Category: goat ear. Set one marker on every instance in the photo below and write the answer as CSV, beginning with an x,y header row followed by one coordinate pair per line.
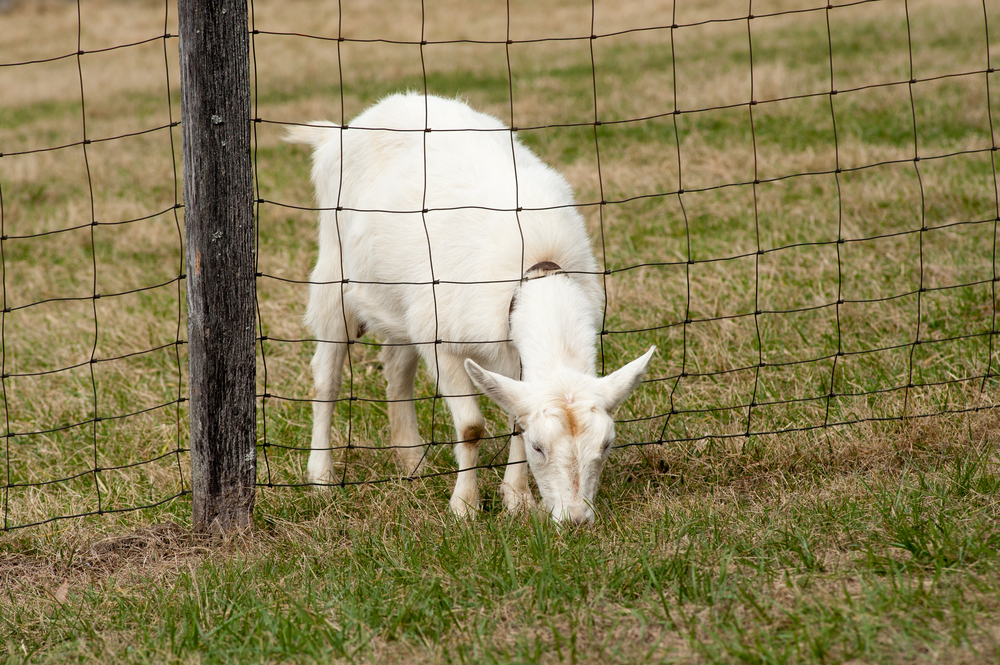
x,y
508,393
619,384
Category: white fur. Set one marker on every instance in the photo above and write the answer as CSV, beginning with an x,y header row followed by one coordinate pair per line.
x,y
471,233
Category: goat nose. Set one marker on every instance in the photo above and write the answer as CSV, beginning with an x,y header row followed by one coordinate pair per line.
x,y
580,516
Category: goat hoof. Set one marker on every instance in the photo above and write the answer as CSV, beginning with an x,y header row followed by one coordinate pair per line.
x,y
517,501
330,476
409,464
411,469
319,480
321,469
464,509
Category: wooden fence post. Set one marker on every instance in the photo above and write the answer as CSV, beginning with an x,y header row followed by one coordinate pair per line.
x,y
219,230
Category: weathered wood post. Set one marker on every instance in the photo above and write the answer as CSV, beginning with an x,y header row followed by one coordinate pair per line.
x,y
219,230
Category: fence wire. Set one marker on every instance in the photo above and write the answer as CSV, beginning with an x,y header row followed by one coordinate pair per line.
x,y
100,425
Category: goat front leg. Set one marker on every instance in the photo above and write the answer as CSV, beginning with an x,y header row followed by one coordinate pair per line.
x,y
516,493
470,426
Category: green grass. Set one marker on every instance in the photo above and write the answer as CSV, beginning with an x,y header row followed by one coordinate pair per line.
x,y
731,573
780,513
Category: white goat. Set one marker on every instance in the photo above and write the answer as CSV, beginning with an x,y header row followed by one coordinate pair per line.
x,y
457,244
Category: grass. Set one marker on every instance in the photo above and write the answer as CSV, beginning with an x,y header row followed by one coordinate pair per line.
x,y
780,508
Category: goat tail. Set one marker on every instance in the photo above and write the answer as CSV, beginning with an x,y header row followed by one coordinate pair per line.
x,y
327,148
314,134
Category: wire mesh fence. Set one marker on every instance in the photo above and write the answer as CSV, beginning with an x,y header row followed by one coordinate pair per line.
x,y
790,290
92,266
796,202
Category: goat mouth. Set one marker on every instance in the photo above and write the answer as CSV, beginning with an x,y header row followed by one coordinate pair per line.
x,y
568,517
567,522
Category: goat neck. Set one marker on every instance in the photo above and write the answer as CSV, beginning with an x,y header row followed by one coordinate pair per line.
x,y
553,326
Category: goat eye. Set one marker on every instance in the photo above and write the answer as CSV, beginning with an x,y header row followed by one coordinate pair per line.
x,y
538,449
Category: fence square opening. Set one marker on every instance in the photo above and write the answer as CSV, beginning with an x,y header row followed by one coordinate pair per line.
x,y
720,223
800,277
794,136
538,68
48,191
859,29
660,289
634,61
717,52
798,337
878,333
955,255
804,209
708,135
947,37
874,125
787,400
649,229
951,114
959,189
791,55
638,158
963,316
476,72
880,201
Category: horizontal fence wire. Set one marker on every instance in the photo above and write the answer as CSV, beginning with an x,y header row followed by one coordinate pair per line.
x,y
94,391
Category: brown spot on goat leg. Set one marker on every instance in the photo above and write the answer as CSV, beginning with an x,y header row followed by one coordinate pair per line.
x,y
472,434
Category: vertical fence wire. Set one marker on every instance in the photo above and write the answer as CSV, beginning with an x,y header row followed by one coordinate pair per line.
x,y
756,233
179,341
831,392
996,198
262,340
3,364
688,260
96,418
424,210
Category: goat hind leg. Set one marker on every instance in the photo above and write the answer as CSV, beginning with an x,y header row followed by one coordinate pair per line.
x,y
327,365
400,371
328,318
